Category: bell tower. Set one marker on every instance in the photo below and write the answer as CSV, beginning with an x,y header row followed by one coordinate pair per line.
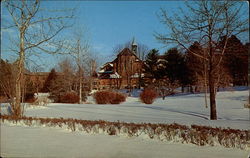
x,y
134,46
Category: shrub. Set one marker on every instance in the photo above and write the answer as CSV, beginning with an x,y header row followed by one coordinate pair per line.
x,y
148,96
118,98
108,97
41,101
29,98
69,97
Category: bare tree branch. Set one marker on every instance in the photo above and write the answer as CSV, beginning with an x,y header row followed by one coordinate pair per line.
x,y
25,16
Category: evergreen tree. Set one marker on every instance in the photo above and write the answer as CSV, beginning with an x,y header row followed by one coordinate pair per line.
x,y
196,66
175,67
236,60
51,77
151,66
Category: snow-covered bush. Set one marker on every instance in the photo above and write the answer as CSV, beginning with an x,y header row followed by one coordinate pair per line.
x,y
148,96
109,97
41,99
198,135
70,97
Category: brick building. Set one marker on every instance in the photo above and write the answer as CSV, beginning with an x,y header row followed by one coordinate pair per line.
x,y
125,71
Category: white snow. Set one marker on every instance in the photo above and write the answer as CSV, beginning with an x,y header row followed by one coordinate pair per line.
x,y
36,141
184,109
18,141
36,95
101,71
115,75
162,60
136,75
108,63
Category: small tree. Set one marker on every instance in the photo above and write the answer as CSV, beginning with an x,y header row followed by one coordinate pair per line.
x,y
79,51
63,81
148,96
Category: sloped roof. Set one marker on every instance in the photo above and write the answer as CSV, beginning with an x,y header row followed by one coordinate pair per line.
x,y
107,64
126,51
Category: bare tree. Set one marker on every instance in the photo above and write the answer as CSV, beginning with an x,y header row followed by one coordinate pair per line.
x,y
91,70
36,33
206,22
79,50
66,70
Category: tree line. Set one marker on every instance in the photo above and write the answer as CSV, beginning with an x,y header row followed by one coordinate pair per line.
x,y
182,68
208,23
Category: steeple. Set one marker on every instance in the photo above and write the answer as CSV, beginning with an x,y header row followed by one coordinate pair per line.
x,y
134,46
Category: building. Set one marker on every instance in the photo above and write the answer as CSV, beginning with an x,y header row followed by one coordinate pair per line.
x,y
125,71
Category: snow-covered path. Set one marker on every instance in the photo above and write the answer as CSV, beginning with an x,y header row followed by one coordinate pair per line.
x,y
185,109
17,141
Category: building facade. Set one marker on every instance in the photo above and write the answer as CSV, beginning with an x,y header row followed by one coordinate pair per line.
x,y
125,71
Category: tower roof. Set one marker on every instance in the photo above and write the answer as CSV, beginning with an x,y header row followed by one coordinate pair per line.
x,y
134,42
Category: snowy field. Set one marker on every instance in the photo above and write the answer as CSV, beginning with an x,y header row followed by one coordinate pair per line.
x,y
17,141
187,109
184,109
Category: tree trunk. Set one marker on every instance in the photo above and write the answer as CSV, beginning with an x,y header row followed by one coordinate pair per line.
x,y
182,89
213,114
17,104
80,87
191,89
205,79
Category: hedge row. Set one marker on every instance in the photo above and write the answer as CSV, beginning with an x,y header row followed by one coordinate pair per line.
x,y
198,135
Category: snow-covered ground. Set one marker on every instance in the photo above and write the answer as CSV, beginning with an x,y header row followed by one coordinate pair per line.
x,y
187,109
184,109
19,141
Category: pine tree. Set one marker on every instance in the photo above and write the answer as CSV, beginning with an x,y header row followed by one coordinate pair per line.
x,y
236,60
151,66
175,66
52,76
196,66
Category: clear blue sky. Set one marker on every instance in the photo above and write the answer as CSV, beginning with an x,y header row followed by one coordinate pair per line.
x,y
110,23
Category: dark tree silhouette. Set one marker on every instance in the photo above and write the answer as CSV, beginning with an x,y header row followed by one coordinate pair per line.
x,y
51,77
236,60
175,66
